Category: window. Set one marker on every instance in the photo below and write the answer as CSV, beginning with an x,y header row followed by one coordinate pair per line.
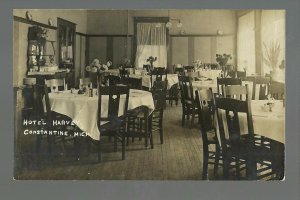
x,y
246,43
151,40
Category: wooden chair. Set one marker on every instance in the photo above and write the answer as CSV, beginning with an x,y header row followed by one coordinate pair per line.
x,y
193,75
189,108
112,125
277,90
179,71
123,73
241,75
113,80
47,115
55,85
157,75
85,82
227,81
159,97
247,148
189,68
133,83
205,101
260,87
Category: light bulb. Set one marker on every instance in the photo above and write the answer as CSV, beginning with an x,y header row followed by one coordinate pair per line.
x,y
179,25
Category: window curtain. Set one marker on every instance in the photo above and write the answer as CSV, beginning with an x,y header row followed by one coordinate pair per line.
x,y
273,33
246,43
151,41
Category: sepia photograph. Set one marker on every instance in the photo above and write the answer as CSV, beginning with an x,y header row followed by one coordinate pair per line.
x,y
149,94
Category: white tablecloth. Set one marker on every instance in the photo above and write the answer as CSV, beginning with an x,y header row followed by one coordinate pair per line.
x,y
146,80
83,109
212,74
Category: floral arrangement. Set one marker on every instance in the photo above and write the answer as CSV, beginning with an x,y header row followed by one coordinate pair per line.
x,y
223,59
197,63
151,60
127,62
271,54
96,66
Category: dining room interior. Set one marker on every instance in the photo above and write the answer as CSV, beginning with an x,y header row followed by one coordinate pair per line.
x,y
176,94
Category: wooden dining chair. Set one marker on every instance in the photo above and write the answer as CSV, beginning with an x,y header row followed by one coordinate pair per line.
x,y
277,90
157,74
41,101
159,98
124,72
85,82
189,108
261,86
179,71
193,75
112,125
205,101
238,148
227,81
133,83
189,68
113,80
55,85
241,75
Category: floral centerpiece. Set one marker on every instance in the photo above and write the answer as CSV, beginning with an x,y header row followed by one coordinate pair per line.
x,y
151,60
223,59
197,63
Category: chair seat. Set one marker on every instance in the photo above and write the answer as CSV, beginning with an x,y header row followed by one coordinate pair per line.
x,y
113,125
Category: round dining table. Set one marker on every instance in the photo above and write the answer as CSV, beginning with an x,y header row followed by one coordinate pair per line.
x,y
82,109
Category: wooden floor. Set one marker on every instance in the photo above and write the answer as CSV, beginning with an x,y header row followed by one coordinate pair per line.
x,y
179,158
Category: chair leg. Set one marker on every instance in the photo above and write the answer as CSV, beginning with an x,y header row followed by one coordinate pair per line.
x,y
193,117
205,165
123,145
225,168
99,151
161,131
115,143
216,164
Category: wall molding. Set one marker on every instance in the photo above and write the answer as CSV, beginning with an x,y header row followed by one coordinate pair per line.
x,y
36,23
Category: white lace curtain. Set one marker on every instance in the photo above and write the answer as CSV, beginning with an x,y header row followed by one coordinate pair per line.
x,y
151,41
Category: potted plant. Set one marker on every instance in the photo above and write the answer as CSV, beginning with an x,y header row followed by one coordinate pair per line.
x,y
222,60
151,60
271,57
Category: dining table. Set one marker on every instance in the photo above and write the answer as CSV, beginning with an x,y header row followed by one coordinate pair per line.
x,y
146,79
82,109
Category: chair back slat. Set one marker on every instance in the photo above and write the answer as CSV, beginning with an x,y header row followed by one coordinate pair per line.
x,y
157,75
159,94
133,83
277,90
113,80
227,81
205,101
235,91
55,85
112,94
261,85
186,88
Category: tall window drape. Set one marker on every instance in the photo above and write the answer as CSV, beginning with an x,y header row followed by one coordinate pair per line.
x,y
246,43
151,41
